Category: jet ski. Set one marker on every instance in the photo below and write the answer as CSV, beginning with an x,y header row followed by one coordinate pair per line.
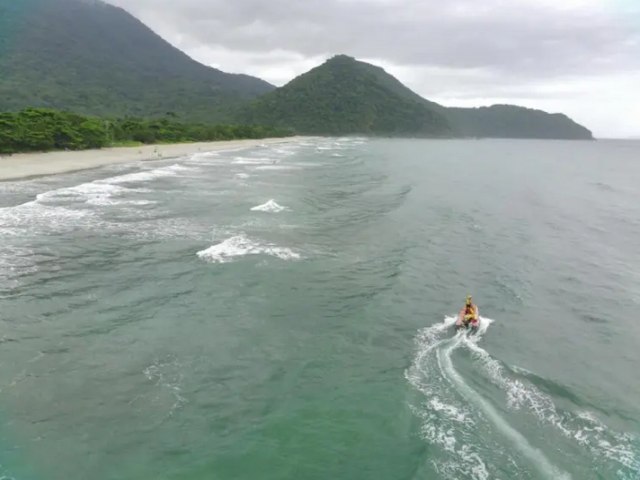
x,y
471,326
469,317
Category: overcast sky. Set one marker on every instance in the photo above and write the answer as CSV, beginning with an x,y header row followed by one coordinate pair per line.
x,y
580,57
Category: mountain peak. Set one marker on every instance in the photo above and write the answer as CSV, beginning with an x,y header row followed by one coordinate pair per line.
x,y
347,96
342,58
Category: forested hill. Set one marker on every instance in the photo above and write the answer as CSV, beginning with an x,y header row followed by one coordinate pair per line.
x,y
509,121
345,96
94,58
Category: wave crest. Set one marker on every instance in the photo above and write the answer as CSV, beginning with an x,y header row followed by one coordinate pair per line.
x,y
270,206
239,246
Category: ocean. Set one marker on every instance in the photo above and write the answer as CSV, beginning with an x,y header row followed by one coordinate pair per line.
x,y
285,312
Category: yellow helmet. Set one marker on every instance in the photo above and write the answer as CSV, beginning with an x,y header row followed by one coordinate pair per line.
x,y
469,299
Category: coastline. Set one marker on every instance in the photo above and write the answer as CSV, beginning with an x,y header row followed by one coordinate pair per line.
x,y
24,165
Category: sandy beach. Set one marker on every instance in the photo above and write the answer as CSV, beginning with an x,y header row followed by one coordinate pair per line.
x,y
35,164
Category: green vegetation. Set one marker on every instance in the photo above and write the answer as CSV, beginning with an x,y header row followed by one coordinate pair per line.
x,y
43,129
509,121
344,96
96,59
92,58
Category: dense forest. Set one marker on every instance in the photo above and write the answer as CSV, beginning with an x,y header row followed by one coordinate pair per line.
x,y
510,121
345,96
92,58
44,129
96,59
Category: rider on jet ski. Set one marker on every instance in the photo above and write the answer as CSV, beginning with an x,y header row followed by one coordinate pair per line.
x,y
469,315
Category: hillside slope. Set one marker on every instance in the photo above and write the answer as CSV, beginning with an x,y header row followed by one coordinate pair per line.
x,y
510,121
94,58
90,57
345,96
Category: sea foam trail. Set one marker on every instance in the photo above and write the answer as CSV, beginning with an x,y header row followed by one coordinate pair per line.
x,y
582,427
446,422
538,459
453,413
239,246
270,206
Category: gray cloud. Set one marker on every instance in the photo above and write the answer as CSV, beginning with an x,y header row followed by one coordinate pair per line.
x,y
495,48
529,38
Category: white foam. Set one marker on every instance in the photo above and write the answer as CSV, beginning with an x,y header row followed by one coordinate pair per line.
x,y
519,395
449,410
62,209
538,459
427,340
21,218
583,427
468,464
167,375
109,201
243,176
445,423
270,206
287,152
253,161
94,193
97,193
239,246
203,155
205,159
176,167
461,460
146,175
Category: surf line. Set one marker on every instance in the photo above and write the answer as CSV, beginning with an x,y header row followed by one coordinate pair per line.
x,y
533,454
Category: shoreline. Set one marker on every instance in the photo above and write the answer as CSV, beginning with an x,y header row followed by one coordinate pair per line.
x,y
25,165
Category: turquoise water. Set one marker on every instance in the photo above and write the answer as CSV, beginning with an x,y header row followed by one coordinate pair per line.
x,y
283,312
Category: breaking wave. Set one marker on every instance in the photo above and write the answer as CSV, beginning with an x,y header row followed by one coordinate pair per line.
x,y
239,246
146,175
270,206
253,161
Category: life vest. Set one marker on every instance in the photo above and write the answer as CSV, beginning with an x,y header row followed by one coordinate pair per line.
x,y
470,312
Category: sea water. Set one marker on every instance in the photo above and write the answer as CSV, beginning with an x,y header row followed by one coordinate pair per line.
x,y
286,312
